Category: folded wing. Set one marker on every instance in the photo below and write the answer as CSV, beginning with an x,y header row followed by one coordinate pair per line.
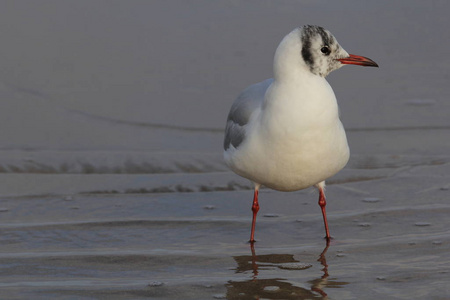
x,y
249,101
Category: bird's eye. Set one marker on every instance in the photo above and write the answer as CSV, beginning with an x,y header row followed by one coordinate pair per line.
x,y
325,50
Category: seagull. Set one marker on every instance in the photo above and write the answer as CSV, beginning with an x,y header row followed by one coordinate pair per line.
x,y
285,133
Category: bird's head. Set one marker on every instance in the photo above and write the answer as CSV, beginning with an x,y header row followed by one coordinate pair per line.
x,y
322,53
319,49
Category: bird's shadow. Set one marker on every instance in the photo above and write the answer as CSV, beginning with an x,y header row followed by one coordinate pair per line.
x,y
261,287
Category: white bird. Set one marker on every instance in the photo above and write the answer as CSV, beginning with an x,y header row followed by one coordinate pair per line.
x,y
285,132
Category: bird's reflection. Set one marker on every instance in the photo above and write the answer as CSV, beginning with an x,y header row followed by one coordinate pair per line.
x,y
261,287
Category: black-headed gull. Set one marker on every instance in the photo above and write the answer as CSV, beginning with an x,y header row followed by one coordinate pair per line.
x,y
285,132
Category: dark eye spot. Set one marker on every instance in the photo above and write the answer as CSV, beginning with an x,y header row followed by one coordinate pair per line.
x,y
325,50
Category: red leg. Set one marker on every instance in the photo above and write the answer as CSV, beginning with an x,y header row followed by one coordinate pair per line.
x,y
255,209
323,203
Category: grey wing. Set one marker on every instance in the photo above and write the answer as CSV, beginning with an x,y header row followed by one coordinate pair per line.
x,y
241,110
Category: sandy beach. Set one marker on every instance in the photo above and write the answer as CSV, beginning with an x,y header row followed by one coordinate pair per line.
x,y
112,183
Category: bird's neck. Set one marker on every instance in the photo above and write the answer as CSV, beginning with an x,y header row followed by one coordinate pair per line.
x,y
300,101
304,95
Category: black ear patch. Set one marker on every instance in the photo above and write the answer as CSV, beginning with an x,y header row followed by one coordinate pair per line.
x,y
306,52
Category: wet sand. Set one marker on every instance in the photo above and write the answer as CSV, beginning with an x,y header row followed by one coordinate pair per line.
x,y
112,184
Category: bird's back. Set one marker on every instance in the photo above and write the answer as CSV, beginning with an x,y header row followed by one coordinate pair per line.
x,y
247,103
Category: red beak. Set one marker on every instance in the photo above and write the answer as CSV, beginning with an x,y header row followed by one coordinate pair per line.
x,y
358,60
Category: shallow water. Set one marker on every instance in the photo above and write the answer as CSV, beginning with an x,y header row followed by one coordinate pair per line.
x,y
112,184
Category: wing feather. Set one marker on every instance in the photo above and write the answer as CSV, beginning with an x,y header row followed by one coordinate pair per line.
x,y
241,111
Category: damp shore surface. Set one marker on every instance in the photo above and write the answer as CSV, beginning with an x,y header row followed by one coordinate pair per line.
x,y
112,183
